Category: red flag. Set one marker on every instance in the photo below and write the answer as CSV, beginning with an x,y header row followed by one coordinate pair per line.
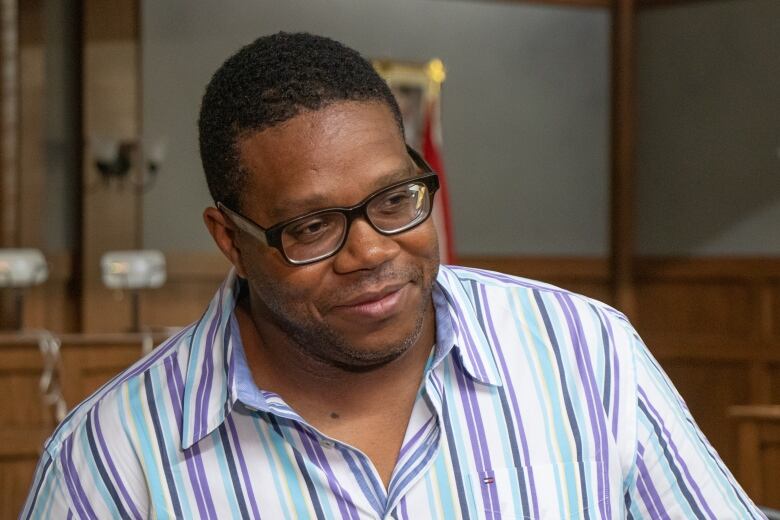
x,y
431,151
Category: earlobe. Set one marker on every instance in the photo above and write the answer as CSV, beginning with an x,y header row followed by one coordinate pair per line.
x,y
225,236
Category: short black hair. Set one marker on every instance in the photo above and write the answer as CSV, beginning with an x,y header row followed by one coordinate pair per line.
x,y
270,81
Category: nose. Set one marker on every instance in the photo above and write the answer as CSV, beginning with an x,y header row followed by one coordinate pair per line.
x,y
365,248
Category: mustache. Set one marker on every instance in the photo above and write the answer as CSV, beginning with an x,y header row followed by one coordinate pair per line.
x,y
381,277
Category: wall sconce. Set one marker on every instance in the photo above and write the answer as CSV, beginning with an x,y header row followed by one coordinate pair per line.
x,y
132,271
21,268
113,159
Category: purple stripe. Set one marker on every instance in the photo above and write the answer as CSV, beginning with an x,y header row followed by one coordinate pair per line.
x,y
204,385
120,378
646,489
477,435
513,398
316,455
586,374
110,462
74,483
250,494
404,512
470,349
408,445
200,490
676,452
615,378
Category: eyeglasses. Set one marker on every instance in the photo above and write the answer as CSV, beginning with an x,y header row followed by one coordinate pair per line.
x,y
321,234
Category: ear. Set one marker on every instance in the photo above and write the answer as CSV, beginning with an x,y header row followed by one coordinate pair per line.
x,y
225,236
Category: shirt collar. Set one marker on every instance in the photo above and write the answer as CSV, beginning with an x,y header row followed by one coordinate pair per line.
x,y
209,384
217,374
459,326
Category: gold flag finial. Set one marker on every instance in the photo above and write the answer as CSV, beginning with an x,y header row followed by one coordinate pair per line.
x,y
435,71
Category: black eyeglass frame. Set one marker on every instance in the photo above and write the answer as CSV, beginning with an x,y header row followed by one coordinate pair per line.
x,y
272,236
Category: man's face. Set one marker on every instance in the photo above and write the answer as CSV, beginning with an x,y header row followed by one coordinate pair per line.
x,y
367,304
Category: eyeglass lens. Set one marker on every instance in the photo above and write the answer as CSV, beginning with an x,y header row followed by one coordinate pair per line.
x,y
391,211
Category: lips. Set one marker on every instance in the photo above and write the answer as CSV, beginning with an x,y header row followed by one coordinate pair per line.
x,y
378,304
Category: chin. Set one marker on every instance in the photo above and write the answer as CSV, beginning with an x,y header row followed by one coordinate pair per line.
x,y
374,350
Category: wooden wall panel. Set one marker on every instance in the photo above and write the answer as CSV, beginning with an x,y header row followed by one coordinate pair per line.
x,y
15,476
54,305
88,361
110,211
699,310
24,422
709,389
193,278
774,311
774,391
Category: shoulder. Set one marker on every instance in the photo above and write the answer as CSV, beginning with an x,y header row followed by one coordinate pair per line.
x,y
480,284
113,402
535,319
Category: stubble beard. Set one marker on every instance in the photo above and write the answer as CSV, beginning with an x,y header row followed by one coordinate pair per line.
x,y
318,340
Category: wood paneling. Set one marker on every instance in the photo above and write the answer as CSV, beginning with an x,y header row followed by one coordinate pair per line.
x,y
32,63
758,431
88,361
709,389
54,305
623,154
111,108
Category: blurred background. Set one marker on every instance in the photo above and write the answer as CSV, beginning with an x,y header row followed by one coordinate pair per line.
x,y
625,149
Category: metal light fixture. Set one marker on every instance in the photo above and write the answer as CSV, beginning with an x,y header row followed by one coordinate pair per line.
x,y
114,158
133,270
21,268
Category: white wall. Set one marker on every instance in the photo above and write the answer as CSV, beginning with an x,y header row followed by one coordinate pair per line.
x,y
525,108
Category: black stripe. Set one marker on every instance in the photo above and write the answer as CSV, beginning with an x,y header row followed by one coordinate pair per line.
x,y
98,460
627,500
672,466
44,470
464,507
161,443
231,462
565,391
313,497
513,431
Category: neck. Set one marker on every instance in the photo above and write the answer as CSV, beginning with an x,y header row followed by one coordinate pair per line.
x,y
320,391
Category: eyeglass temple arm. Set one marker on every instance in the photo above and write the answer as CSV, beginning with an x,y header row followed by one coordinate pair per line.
x,y
244,223
418,159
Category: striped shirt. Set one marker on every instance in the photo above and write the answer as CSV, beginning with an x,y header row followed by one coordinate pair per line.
x,y
535,403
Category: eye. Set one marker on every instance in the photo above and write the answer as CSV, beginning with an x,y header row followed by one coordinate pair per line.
x,y
397,200
309,230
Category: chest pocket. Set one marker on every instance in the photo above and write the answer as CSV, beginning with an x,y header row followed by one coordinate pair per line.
x,y
565,490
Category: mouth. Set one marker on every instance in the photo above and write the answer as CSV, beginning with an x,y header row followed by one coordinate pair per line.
x,y
378,304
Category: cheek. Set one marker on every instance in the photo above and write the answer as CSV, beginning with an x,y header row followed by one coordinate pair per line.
x,y
294,289
423,243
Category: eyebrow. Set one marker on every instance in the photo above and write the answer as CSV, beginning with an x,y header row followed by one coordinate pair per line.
x,y
318,201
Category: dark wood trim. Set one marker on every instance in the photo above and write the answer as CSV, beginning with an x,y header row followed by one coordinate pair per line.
x,y
563,3
542,267
623,131
644,4
676,268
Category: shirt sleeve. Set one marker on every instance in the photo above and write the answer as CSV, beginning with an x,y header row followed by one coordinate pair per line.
x,y
47,498
676,472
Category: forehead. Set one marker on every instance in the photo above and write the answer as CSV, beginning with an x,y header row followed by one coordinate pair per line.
x,y
332,156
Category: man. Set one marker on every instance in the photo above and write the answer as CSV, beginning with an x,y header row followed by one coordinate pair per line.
x,y
340,372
